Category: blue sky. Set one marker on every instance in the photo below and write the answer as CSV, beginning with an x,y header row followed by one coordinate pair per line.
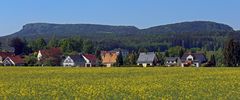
x,y
141,13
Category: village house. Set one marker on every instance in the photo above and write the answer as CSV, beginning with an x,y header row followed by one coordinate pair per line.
x,y
147,59
74,60
14,61
90,59
4,55
42,54
80,60
193,59
52,55
109,58
172,61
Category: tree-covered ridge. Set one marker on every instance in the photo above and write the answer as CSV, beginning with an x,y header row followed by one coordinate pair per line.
x,y
189,27
198,34
90,29
73,29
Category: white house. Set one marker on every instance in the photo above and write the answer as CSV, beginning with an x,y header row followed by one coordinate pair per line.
x,y
74,60
193,59
80,60
147,59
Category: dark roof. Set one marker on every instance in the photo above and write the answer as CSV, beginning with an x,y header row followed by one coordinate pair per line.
x,y
148,57
171,58
77,59
196,56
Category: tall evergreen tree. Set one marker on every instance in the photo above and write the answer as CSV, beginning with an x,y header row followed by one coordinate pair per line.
x,y
98,53
130,59
88,47
119,61
213,61
77,44
160,57
231,53
166,54
18,45
26,49
53,42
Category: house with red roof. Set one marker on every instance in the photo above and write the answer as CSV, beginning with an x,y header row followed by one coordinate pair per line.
x,y
14,61
90,59
109,58
50,56
52,52
4,55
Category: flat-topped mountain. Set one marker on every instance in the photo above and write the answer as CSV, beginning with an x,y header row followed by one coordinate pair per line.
x,y
38,29
196,34
45,29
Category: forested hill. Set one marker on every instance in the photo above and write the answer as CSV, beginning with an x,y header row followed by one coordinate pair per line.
x,y
42,29
189,27
197,34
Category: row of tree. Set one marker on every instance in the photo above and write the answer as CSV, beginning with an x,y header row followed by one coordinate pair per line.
x,y
228,56
68,45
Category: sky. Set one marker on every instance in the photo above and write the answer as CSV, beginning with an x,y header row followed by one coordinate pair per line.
x,y
140,13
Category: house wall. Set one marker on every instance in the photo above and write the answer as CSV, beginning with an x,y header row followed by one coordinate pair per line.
x,y
145,64
109,65
8,62
68,62
39,56
1,60
109,58
171,63
190,57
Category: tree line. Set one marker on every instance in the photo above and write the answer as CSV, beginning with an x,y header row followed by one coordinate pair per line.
x,y
228,56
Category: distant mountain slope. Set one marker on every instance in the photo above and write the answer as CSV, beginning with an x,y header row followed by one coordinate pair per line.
x,y
66,30
197,34
189,27
43,29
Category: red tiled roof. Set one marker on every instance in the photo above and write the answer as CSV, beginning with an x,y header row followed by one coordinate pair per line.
x,y
6,54
51,52
90,57
108,57
17,59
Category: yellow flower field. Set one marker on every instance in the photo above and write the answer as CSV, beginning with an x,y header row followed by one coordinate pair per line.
x,y
120,83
